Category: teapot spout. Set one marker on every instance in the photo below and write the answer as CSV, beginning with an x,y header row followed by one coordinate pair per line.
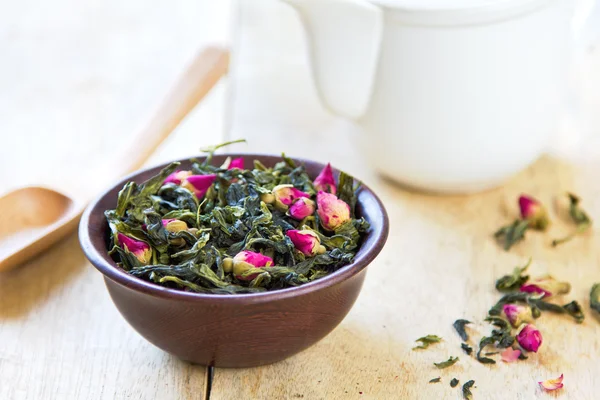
x,y
344,39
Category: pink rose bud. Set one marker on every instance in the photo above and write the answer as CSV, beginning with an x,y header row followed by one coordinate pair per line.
x,y
533,211
510,355
306,241
546,285
177,177
552,384
529,338
286,195
174,225
236,163
302,208
332,211
141,250
325,180
517,314
246,260
199,184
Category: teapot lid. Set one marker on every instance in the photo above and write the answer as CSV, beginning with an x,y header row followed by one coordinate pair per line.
x,y
458,11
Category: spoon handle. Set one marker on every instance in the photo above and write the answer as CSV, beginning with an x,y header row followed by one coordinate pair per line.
x,y
202,74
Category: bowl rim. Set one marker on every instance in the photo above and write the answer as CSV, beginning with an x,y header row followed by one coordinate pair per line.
x,y
111,271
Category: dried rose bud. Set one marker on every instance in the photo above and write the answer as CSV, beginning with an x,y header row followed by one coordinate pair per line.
x,y
177,177
306,241
227,264
141,250
286,195
510,355
267,198
325,180
246,260
517,314
533,212
236,163
302,208
529,337
174,225
552,384
198,184
332,211
546,285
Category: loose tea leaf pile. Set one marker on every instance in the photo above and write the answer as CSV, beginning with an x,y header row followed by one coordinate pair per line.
x,y
225,229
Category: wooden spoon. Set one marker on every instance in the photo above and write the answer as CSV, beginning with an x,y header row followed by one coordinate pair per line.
x,y
33,218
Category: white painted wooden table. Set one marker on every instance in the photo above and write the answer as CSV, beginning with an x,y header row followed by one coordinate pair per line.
x,y
77,78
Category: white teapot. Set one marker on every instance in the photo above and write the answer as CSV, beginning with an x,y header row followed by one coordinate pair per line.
x,y
453,96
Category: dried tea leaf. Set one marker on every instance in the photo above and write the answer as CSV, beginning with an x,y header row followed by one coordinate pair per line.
x,y
492,353
511,283
466,348
595,297
227,219
454,382
511,234
426,341
347,190
574,310
485,341
579,216
445,364
459,325
212,149
466,390
436,380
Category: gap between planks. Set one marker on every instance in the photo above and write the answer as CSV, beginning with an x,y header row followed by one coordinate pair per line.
x,y
208,379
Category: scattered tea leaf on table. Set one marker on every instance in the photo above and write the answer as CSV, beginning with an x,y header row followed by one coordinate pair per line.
x,y
595,297
575,311
466,390
511,283
466,348
426,341
445,364
459,325
454,382
435,380
509,235
579,216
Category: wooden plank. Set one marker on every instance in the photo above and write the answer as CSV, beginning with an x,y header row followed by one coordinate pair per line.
x,y
64,339
439,265
76,80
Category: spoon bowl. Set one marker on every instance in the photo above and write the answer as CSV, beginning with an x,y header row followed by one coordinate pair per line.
x,y
38,218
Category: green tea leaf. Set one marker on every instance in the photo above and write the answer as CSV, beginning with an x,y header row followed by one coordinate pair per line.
x,y
579,217
509,235
435,380
466,348
212,149
459,325
595,297
485,341
445,364
454,382
347,190
466,390
511,283
189,254
574,310
426,341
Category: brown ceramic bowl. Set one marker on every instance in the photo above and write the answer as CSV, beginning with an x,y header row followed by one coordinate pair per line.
x,y
242,330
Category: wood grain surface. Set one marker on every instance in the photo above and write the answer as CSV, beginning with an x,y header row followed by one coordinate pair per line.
x,y
60,335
